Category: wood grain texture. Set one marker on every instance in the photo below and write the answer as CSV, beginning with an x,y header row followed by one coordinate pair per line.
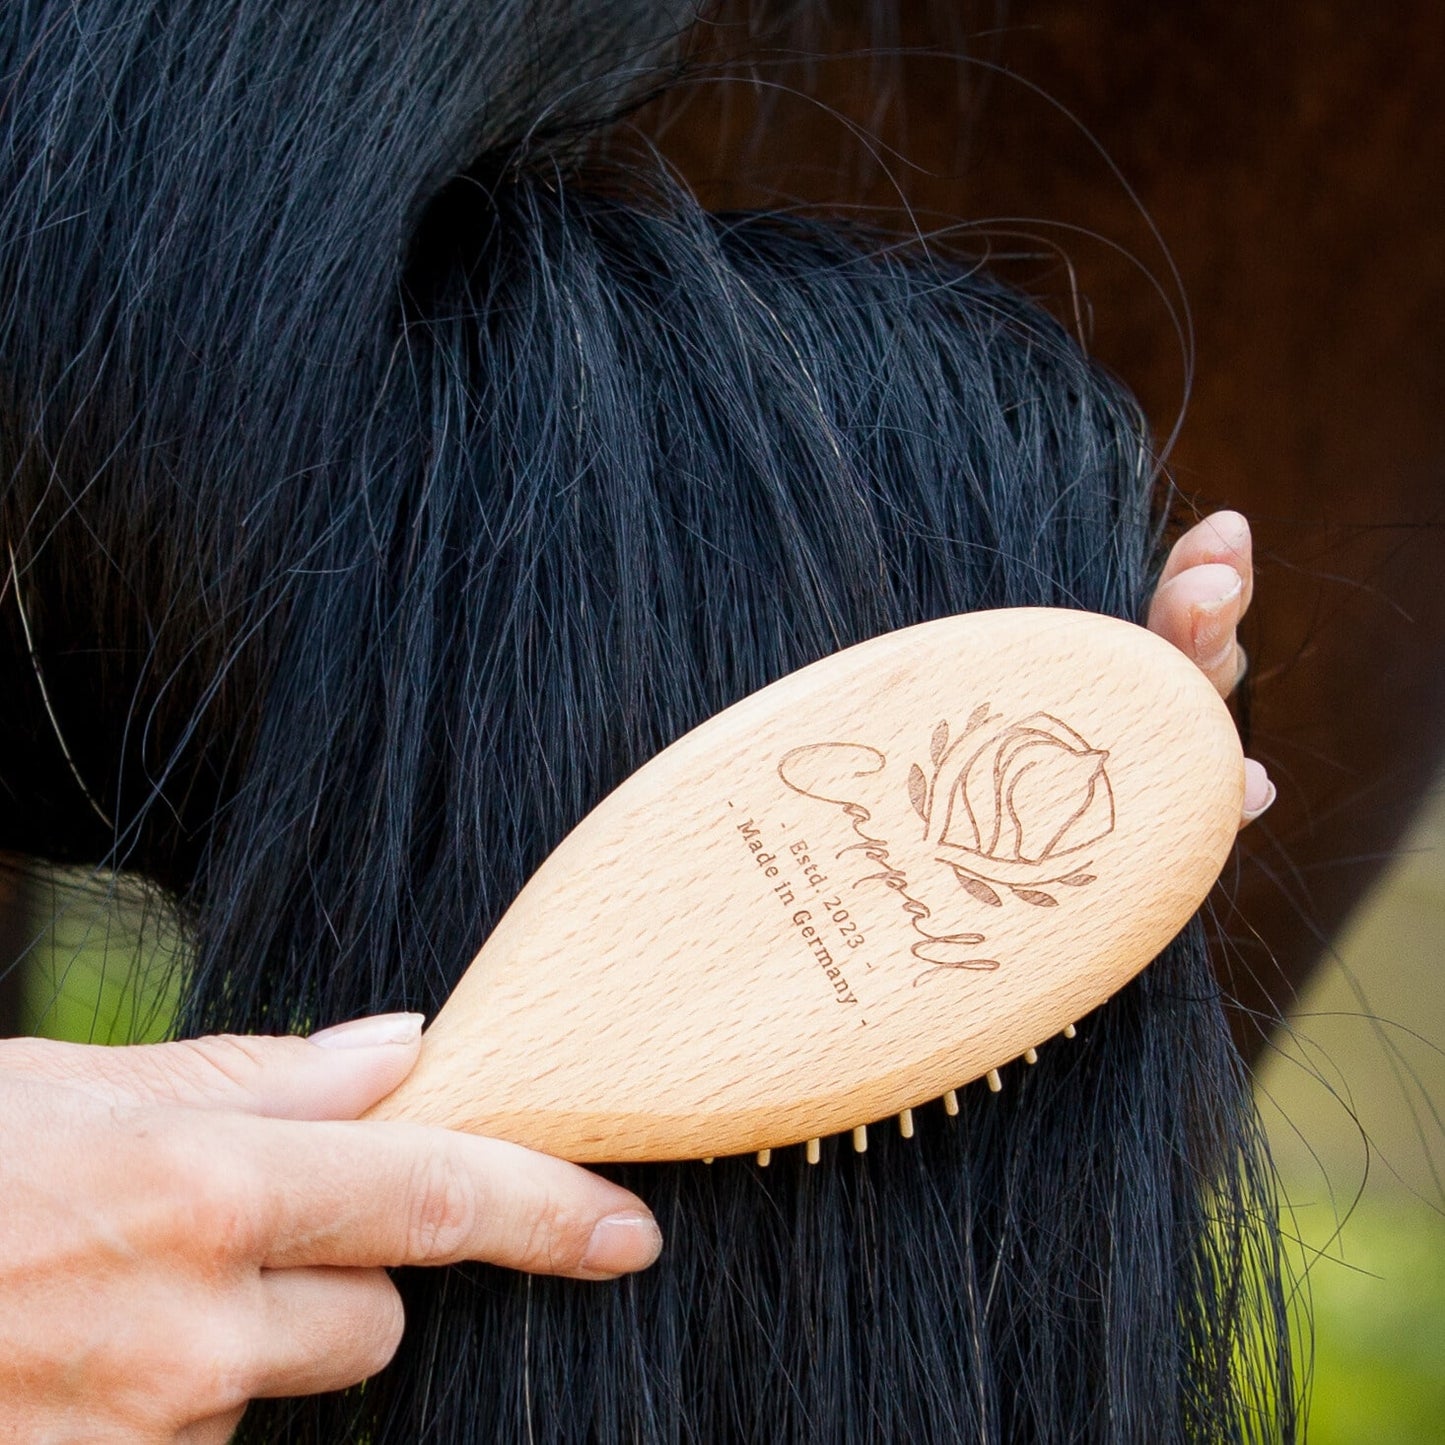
x,y
869,883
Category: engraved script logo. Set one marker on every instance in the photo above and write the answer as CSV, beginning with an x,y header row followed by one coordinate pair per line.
x,y
1004,811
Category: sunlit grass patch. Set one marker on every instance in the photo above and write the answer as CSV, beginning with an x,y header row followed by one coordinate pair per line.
x,y
105,964
1377,1295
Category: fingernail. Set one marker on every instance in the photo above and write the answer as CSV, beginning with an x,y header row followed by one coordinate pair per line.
x,y
370,1032
1259,792
1212,622
622,1243
1232,529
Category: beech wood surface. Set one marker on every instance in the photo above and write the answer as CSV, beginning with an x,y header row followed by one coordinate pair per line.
x,y
874,881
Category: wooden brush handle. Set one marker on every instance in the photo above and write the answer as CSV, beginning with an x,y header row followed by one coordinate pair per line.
x,y
871,882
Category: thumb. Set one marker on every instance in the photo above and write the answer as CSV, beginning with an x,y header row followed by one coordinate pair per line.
x,y
335,1074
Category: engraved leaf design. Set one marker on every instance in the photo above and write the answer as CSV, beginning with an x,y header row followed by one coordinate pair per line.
x,y
939,743
979,889
1037,898
977,717
1077,880
918,791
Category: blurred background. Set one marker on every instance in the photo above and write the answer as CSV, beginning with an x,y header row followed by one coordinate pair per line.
x,y
1239,210
1352,1090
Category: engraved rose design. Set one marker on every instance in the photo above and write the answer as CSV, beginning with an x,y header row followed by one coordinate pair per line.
x,y
1011,809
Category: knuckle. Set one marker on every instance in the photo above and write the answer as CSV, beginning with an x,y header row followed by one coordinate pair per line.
x,y
442,1211
223,1066
229,1222
556,1238
216,1195
170,1184
210,1368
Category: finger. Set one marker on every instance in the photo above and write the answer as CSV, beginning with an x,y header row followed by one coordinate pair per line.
x,y
1220,537
322,1329
1259,792
1198,610
394,1194
335,1074
215,1431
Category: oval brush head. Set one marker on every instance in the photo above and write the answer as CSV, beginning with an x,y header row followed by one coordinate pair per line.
x,y
875,880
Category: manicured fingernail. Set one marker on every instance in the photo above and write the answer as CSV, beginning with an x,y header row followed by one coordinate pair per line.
x,y
370,1032
1259,792
1232,529
1212,621
622,1243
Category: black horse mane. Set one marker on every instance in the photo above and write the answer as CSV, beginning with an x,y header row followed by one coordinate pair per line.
x,y
383,481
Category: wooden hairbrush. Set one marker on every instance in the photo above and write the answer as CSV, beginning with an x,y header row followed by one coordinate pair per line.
x,y
878,879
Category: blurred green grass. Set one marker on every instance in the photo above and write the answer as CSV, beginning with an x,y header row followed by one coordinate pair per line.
x,y
105,964
1377,1294
1352,1098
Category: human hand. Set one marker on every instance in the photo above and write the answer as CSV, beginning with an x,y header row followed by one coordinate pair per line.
x,y
1204,591
189,1226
